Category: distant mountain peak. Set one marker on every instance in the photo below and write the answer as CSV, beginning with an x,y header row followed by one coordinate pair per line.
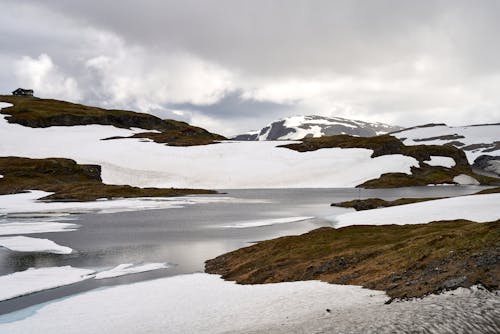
x,y
298,127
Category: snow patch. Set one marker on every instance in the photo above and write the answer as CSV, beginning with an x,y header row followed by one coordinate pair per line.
x,y
266,222
5,105
478,208
33,280
446,162
464,179
130,268
196,303
28,244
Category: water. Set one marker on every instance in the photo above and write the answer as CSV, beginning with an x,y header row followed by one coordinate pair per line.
x,y
187,237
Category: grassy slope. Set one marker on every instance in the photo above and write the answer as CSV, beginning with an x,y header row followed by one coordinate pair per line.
x,y
386,145
70,181
40,113
405,261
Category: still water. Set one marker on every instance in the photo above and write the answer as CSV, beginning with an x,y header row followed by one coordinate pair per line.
x,y
187,237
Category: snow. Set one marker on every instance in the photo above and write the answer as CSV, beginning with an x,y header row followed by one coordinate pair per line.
x,y
28,244
5,105
130,268
482,134
465,180
299,133
36,227
478,208
26,202
196,303
220,166
33,280
265,222
441,161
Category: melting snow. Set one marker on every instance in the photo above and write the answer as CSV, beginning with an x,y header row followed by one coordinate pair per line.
x,y
32,280
266,222
28,244
197,303
465,180
35,227
130,268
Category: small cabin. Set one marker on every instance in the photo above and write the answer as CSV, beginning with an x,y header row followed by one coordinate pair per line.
x,y
23,92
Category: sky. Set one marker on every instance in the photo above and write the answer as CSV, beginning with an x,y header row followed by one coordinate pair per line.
x,y
236,65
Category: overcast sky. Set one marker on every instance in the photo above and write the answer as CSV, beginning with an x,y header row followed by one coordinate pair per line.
x,y
232,66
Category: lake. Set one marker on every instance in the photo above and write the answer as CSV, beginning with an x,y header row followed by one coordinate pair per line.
x,y
186,237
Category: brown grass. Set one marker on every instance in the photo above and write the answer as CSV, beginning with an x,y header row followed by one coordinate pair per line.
x,y
41,113
70,181
405,261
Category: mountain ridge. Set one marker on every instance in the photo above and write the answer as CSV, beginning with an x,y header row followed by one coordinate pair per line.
x,y
299,127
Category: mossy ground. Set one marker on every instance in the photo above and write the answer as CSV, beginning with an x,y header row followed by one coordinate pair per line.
x,y
404,260
70,181
41,113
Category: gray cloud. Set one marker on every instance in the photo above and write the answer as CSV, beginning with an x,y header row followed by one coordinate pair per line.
x,y
232,65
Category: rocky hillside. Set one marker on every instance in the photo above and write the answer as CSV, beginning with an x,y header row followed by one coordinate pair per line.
x,y
438,164
43,113
298,127
481,143
69,181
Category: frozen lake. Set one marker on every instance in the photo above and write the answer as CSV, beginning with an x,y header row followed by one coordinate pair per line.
x,y
186,237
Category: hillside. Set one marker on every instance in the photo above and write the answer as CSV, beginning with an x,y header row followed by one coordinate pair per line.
x,y
298,127
42,113
436,164
481,143
405,261
69,181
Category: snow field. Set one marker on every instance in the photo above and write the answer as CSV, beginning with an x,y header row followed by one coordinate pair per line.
x,y
179,304
218,166
479,208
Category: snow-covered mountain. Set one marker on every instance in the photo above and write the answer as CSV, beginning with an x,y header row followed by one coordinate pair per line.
x,y
481,143
298,127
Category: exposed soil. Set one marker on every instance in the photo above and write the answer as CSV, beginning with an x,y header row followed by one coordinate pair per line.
x,y
403,260
41,113
70,181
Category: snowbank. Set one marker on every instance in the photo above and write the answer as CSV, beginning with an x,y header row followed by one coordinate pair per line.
x,y
196,303
224,165
5,105
32,280
28,244
465,180
130,268
441,161
479,208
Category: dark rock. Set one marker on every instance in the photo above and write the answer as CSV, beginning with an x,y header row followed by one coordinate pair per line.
x,y
453,283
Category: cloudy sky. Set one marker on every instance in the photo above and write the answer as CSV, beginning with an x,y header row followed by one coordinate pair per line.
x,y
236,65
